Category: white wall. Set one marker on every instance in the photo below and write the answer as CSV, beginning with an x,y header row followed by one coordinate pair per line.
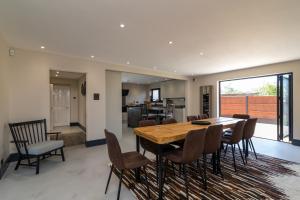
x,y
4,100
170,89
30,92
293,66
73,84
114,102
137,92
81,103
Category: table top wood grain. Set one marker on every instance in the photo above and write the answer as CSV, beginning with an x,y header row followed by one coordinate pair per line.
x,y
163,134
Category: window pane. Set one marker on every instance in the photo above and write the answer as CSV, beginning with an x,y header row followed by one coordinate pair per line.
x,y
155,95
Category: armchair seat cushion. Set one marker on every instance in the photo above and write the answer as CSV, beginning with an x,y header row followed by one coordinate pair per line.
x,y
43,147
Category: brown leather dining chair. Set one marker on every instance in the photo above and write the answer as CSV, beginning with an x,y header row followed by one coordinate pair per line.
x,y
169,121
147,145
191,118
124,161
192,151
241,116
202,116
234,139
249,130
212,146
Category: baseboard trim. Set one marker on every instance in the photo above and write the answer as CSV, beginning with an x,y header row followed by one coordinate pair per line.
x,y
82,127
4,165
296,142
74,124
93,143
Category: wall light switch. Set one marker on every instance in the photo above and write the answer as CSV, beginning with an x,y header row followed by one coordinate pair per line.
x,y
96,96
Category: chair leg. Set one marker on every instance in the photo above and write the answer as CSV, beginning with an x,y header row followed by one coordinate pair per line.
x,y
37,165
225,151
214,163
18,164
173,168
62,154
251,144
219,163
108,180
120,183
204,173
144,152
241,153
157,166
233,156
147,183
186,181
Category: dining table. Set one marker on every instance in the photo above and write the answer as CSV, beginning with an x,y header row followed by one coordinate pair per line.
x,y
165,134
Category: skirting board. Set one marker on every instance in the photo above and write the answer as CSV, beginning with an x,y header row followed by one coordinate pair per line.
x,y
93,143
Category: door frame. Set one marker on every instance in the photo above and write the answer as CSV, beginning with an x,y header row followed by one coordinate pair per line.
x,y
291,105
51,103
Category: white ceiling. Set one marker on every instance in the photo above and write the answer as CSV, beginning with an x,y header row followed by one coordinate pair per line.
x,y
67,75
140,79
232,34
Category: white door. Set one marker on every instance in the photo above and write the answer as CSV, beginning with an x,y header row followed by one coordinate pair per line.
x,y
60,105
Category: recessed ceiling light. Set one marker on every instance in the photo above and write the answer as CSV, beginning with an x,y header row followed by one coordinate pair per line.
x,y
201,53
42,47
170,42
128,63
92,56
175,71
57,72
56,75
122,25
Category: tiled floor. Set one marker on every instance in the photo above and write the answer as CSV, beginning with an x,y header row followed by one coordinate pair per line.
x,y
84,174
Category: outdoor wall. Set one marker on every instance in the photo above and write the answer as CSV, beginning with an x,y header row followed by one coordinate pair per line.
x,y
196,82
4,100
137,92
73,84
114,102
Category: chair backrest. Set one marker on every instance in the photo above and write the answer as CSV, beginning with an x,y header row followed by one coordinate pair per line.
x,y
30,131
241,116
114,150
169,121
213,138
193,145
144,123
192,118
238,132
249,128
203,116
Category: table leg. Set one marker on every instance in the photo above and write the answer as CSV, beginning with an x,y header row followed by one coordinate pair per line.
x,y
138,170
160,172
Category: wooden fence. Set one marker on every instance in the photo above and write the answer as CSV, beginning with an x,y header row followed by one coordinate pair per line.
x,y
262,107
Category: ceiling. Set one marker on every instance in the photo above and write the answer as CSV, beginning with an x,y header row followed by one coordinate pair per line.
x,y
231,34
140,79
67,75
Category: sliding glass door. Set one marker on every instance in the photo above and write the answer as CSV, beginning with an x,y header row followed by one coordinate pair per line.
x,y
268,98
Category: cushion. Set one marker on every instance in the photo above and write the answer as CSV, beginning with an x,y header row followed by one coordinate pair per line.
x,y
43,147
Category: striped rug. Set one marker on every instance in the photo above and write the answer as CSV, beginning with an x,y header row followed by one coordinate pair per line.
x,y
249,182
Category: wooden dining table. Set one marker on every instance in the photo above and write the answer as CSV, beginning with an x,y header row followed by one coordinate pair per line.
x,y
165,134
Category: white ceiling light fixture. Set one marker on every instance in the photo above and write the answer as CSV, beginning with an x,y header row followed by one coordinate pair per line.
x,y
128,63
170,42
42,47
175,71
92,56
122,25
57,72
201,53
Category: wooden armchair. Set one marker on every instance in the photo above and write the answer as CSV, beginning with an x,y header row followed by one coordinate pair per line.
x,y
32,142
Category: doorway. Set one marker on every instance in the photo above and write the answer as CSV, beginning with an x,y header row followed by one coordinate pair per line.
x,y
268,98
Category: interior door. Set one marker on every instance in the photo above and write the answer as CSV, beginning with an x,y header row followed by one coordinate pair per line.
x,y
285,108
61,105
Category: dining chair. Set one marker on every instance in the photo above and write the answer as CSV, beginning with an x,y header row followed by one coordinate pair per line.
x,y
241,116
191,118
249,130
202,116
212,146
169,121
192,151
152,147
234,139
124,161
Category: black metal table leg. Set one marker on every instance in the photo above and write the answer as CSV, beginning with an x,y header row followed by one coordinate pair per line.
x,y
138,170
160,172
